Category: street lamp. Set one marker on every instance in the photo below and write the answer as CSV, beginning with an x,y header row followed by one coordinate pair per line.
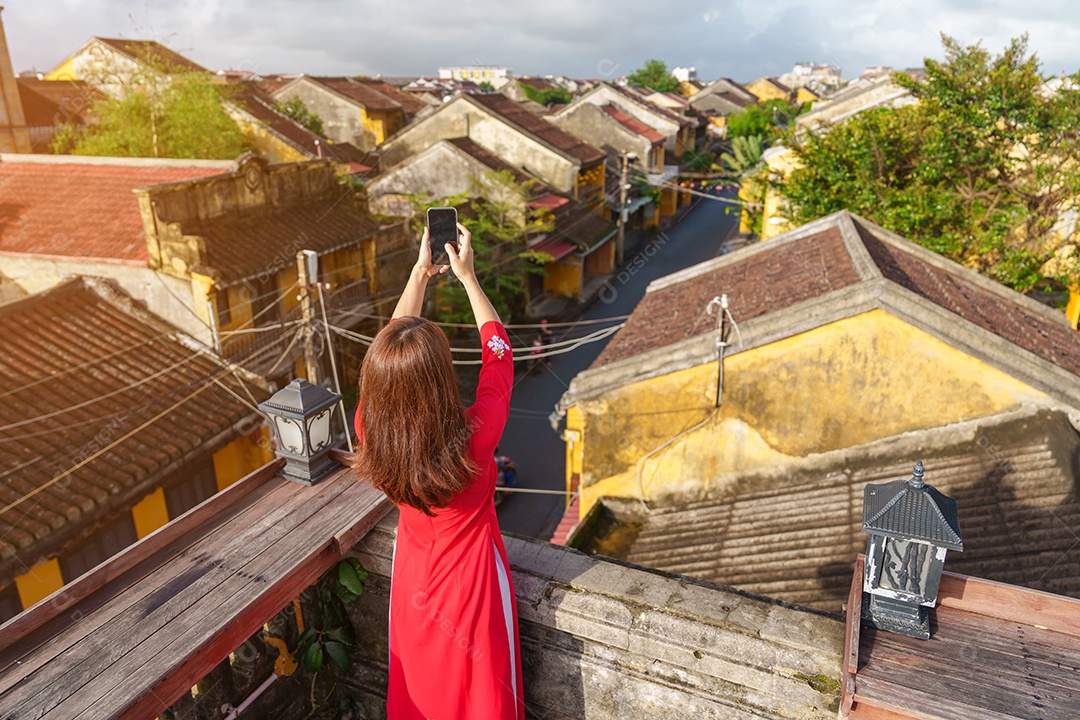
x,y
300,415
911,527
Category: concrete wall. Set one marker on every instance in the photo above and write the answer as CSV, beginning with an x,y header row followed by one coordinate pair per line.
x,y
591,124
178,307
343,119
602,95
441,171
461,118
602,639
847,383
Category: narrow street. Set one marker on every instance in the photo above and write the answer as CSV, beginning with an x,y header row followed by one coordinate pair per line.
x,y
539,453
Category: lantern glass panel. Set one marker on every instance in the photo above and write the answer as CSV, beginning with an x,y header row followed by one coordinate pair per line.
x,y
319,430
905,566
290,435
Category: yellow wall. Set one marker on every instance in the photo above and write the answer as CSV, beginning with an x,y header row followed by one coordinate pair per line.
x,y
241,457
150,513
803,95
589,181
563,277
779,164
286,278
269,145
381,123
1072,310
39,582
686,89
669,199
63,71
860,379
764,90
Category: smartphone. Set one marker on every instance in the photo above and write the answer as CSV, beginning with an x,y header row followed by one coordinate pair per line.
x,y
442,223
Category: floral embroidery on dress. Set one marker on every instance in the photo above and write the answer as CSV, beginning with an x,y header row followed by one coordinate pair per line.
x,y
498,345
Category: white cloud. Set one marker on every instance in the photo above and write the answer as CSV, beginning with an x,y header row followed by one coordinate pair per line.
x,y
743,39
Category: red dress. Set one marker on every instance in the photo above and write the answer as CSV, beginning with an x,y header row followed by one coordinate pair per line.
x,y
453,621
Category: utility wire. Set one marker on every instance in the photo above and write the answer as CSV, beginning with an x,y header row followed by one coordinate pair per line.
x,y
125,436
520,354
111,393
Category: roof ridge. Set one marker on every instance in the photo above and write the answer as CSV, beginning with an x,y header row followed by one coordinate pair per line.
x,y
941,262
811,228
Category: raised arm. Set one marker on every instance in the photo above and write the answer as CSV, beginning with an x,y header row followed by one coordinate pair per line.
x,y
461,260
411,302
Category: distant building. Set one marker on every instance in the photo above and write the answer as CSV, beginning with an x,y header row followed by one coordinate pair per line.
x,y
477,73
684,74
818,78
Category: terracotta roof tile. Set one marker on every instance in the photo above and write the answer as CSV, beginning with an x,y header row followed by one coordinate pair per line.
x,y
48,102
653,107
241,246
409,104
541,129
794,535
155,51
765,282
260,106
1054,342
79,210
362,93
635,126
135,359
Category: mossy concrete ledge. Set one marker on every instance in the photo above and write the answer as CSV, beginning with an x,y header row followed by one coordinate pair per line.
x,y
602,638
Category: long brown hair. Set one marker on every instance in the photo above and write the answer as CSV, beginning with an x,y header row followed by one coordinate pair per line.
x,y
415,438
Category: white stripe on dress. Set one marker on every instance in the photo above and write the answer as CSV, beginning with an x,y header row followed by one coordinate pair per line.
x,y
508,614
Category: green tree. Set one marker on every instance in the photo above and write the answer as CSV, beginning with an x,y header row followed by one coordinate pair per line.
x,y
177,115
762,119
654,74
501,223
745,155
298,111
547,96
486,86
979,169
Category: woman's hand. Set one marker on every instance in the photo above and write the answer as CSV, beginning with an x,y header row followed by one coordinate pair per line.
x,y
423,262
461,258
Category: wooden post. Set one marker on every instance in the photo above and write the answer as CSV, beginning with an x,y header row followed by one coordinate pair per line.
x,y
306,267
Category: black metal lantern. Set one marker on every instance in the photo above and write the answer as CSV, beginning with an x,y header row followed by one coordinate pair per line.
x,y
300,414
911,527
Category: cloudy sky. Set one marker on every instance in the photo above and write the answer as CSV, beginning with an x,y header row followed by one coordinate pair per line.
x,y
742,39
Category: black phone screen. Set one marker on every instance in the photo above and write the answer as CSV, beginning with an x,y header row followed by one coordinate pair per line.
x,y
442,222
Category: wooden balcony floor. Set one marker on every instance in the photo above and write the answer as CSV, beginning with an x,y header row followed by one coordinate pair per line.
x,y
130,637
996,652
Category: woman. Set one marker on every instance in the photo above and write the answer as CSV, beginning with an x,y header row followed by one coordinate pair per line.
x,y
453,623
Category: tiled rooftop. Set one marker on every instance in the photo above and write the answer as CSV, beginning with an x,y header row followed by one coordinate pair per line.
x,y
816,260
490,159
765,281
151,49
48,102
1056,343
793,532
260,105
635,126
80,209
515,114
363,93
81,367
239,246
408,103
